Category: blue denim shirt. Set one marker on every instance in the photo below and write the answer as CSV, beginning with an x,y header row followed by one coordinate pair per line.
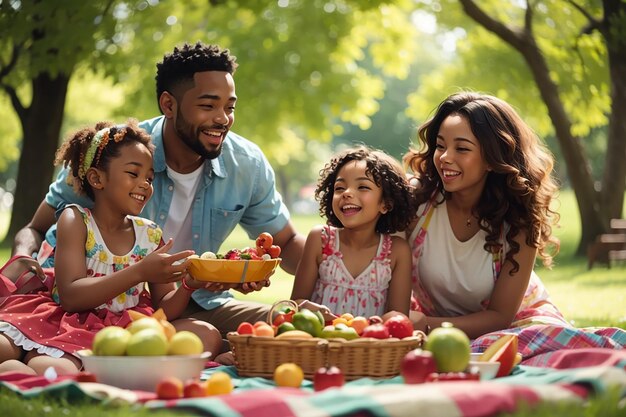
x,y
238,187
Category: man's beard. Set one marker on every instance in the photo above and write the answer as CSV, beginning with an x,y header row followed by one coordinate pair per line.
x,y
191,138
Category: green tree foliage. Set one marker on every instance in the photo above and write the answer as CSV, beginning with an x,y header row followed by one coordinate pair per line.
x,y
561,63
300,76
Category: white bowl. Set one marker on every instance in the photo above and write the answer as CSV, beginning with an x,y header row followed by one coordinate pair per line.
x,y
488,370
142,372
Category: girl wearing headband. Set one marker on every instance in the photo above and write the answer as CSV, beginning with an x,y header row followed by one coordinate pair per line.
x,y
98,273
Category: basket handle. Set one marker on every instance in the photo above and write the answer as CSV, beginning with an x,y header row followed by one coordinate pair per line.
x,y
278,304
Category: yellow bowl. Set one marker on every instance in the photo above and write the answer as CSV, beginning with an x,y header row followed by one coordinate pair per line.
x,y
224,270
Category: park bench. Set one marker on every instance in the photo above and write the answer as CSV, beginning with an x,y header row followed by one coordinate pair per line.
x,y
609,247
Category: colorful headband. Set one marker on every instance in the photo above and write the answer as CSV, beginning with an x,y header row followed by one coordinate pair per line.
x,y
98,143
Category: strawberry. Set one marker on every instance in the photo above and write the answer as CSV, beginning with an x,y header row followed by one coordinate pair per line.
x,y
233,255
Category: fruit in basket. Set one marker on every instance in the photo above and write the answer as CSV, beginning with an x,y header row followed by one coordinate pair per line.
x,y
110,341
450,347
503,350
377,331
261,328
285,327
194,388
219,383
285,314
294,334
185,343
245,328
416,365
399,326
375,320
147,342
308,321
328,378
169,388
358,323
339,331
288,375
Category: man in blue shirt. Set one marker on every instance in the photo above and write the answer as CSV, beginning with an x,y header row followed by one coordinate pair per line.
x,y
207,179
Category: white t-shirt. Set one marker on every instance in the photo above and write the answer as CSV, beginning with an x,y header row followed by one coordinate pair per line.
x,y
178,223
457,275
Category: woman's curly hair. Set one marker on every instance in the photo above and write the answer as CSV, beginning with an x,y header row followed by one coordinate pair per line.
x,y
178,68
520,187
73,150
386,172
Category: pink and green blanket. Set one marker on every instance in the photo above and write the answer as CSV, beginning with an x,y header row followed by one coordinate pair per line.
x,y
570,376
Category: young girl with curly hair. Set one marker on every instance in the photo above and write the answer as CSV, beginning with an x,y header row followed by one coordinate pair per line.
x,y
353,264
104,258
485,190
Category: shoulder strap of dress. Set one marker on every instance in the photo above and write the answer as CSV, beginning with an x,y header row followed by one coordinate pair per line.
x,y
327,241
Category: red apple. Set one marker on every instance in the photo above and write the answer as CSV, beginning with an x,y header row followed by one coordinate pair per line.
x,y
327,378
417,365
377,331
194,388
375,320
399,326
169,388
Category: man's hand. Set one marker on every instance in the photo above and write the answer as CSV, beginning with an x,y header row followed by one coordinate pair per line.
x,y
248,287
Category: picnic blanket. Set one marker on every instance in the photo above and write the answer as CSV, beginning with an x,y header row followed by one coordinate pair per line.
x,y
569,376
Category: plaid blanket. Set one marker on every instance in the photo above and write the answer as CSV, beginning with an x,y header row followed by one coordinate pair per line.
x,y
542,332
568,376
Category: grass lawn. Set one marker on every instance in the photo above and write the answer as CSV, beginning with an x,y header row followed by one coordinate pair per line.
x,y
587,298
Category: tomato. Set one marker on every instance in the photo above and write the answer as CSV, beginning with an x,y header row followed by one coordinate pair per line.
x,y
286,315
245,328
307,321
273,251
264,240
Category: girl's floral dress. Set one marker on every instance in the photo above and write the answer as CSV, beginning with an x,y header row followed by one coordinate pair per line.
x,y
37,321
363,295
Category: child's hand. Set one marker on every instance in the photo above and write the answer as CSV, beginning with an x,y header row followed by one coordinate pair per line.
x,y
310,305
160,267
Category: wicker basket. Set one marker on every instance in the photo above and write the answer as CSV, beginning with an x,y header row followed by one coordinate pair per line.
x,y
358,358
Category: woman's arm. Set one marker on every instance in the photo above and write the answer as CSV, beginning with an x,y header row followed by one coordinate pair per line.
x,y
504,303
399,292
307,271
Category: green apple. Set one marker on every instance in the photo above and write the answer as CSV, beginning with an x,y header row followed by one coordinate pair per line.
x,y
147,342
185,343
111,341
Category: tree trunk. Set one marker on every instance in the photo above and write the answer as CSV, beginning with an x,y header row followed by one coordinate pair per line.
x,y
576,161
41,124
593,214
614,178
